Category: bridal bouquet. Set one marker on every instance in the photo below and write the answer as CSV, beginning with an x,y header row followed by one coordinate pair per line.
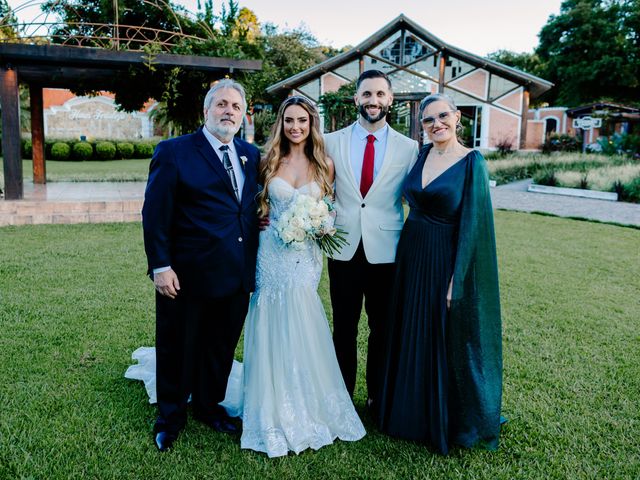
x,y
308,218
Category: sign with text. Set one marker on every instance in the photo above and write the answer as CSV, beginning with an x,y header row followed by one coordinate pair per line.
x,y
95,117
587,123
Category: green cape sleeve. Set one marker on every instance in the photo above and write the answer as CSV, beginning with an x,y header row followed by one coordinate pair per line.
x,y
474,339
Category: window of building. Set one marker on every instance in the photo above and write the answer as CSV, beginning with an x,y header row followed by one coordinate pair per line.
x,y
350,71
499,86
389,50
311,89
414,49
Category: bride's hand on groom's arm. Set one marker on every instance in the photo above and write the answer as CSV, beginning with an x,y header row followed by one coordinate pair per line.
x,y
167,283
263,223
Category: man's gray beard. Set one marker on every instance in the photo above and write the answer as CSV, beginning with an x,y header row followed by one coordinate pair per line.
x,y
221,132
370,119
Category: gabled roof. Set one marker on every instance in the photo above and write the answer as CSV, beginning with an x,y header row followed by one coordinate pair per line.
x,y
537,86
594,107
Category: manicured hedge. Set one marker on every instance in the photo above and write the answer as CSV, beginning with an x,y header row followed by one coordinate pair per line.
x,y
92,150
105,150
60,151
27,149
125,150
82,151
144,150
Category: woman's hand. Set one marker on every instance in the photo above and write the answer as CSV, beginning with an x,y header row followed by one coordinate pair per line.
x,y
263,223
449,290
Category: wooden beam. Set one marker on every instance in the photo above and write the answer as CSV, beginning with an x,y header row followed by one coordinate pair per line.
x,y
10,100
37,135
442,65
523,121
415,123
67,56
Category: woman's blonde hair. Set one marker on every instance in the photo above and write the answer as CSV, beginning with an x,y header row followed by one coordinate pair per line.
x,y
279,147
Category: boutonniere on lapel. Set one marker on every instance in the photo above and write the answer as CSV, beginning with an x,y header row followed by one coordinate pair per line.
x,y
243,160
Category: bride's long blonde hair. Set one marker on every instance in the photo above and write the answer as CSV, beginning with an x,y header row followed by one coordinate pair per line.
x,y
279,147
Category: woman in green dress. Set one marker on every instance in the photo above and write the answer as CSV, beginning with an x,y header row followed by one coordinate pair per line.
x,y
442,375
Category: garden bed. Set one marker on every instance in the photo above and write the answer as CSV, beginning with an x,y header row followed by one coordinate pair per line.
x,y
573,171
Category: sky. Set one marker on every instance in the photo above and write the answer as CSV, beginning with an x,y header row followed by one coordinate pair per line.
x,y
479,27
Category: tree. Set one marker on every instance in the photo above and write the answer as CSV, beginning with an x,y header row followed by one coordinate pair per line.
x,y
181,90
7,20
338,107
284,54
526,62
235,33
590,51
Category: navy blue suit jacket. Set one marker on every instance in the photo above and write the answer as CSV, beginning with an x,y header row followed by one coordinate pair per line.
x,y
192,220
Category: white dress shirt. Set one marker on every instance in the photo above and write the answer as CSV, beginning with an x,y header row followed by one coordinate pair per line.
x,y
359,142
233,156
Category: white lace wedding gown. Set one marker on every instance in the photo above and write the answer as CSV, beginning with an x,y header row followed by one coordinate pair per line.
x,y
290,393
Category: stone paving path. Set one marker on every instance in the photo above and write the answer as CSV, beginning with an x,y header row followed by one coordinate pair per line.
x,y
513,196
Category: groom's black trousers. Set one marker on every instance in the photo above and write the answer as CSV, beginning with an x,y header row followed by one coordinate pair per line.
x,y
350,281
195,343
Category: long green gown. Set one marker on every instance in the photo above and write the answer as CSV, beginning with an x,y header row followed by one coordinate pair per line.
x,y
442,375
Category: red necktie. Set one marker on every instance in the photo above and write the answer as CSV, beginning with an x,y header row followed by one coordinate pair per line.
x,y
367,166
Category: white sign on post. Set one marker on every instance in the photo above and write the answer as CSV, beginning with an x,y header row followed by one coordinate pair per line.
x,y
587,123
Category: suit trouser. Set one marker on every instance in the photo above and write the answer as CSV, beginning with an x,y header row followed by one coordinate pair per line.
x,y
350,281
195,342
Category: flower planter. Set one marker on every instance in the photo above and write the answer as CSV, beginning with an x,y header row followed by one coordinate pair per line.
x,y
574,192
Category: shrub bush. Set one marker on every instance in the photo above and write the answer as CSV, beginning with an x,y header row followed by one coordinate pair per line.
x,y
125,150
504,146
545,177
47,147
27,149
105,150
262,123
618,143
631,191
82,151
143,150
60,151
562,143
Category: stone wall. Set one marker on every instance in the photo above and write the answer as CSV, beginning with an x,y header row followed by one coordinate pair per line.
x,y
95,117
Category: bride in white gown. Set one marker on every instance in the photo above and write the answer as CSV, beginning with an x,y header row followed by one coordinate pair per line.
x,y
290,393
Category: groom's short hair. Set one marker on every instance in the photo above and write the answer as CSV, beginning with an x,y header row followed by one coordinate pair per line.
x,y
372,74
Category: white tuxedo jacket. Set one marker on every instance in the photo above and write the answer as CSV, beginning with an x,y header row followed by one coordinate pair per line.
x,y
376,219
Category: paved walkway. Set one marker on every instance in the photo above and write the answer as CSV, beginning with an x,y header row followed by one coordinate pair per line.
x,y
84,191
513,196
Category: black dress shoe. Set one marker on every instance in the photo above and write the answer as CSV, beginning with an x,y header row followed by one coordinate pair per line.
x,y
164,440
220,424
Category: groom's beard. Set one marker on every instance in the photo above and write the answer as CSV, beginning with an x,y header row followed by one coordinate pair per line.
x,y
383,113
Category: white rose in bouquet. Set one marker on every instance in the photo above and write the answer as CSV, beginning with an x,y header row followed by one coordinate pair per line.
x,y
310,219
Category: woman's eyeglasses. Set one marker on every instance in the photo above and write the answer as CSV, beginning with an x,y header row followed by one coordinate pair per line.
x,y
442,116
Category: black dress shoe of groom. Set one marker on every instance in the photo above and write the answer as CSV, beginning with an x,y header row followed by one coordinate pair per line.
x,y
220,424
164,440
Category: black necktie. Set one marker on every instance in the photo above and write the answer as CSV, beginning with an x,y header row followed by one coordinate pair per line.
x,y
226,161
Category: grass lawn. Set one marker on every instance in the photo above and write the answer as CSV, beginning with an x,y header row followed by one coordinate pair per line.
x,y
93,171
74,304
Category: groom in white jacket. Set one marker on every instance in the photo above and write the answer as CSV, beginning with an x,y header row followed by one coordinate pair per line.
x,y
371,162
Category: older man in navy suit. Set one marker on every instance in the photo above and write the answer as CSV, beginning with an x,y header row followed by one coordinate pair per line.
x,y
201,239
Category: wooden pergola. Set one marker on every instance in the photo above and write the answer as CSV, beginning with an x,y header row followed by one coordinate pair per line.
x,y
41,66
